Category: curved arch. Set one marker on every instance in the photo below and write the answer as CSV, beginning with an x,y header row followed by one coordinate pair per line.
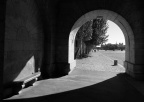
x,y
108,15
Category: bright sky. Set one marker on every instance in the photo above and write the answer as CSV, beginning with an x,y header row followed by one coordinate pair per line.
x,y
115,33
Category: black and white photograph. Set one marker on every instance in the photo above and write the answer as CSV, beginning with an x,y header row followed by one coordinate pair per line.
x,y
72,50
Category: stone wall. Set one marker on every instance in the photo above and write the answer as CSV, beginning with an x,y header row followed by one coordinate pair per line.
x,y
23,40
69,12
42,27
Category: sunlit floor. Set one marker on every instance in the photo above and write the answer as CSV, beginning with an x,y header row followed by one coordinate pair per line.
x,y
101,82
103,61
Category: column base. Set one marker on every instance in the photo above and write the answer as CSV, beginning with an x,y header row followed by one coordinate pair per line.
x,y
134,70
72,66
61,69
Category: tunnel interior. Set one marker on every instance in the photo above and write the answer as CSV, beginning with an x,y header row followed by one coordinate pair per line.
x,y
41,35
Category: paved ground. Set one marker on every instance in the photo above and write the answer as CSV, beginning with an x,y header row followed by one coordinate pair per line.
x,y
102,61
97,81
115,55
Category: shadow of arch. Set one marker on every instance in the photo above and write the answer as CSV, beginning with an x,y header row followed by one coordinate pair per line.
x,y
115,89
108,15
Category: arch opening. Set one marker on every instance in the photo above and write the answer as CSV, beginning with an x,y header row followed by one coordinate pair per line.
x,y
108,15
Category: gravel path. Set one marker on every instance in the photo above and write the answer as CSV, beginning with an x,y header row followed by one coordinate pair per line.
x,y
99,62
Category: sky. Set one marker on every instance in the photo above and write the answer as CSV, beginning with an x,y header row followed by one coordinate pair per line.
x,y
115,33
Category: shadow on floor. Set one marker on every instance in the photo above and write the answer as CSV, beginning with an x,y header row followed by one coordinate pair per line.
x,y
116,89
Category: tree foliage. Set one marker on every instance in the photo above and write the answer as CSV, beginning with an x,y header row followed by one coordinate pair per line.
x,y
90,34
113,47
85,31
99,28
94,31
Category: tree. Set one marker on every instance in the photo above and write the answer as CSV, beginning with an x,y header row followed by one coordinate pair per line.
x,y
83,34
85,31
121,46
90,34
99,28
116,46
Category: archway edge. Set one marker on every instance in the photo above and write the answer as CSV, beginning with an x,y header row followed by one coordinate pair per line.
x,y
93,14
109,15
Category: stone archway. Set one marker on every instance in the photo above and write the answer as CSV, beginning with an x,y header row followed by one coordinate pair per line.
x,y
109,15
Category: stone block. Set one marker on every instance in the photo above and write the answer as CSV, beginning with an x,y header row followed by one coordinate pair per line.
x,y
135,71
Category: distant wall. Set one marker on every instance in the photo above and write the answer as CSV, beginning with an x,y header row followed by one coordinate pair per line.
x,y
23,40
